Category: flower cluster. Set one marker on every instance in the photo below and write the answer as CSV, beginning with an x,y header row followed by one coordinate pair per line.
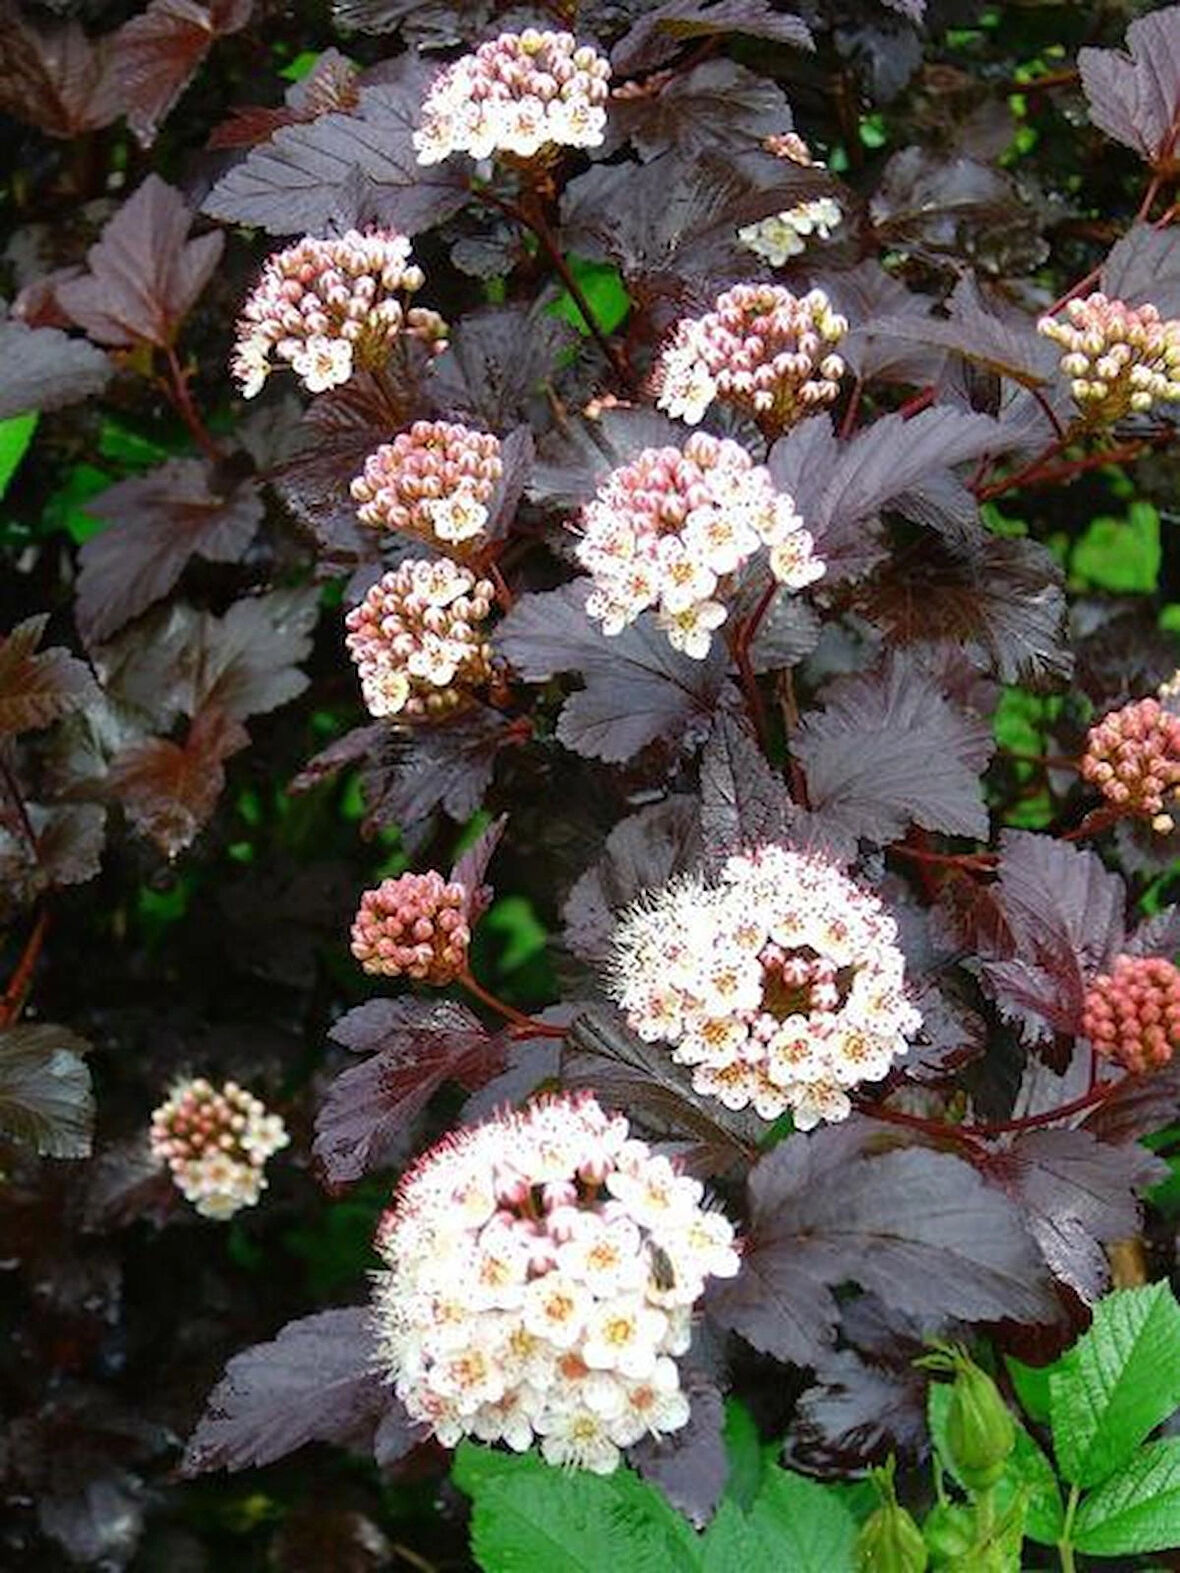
x,y
433,481
1132,1015
326,307
542,1273
416,638
1120,359
668,529
216,1144
784,235
520,93
761,349
781,983
417,926
1133,757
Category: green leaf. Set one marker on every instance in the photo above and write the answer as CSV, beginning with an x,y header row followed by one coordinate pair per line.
x,y
602,285
529,1516
16,433
746,1455
794,1524
1137,1509
1027,1470
1032,1388
1122,555
1117,1383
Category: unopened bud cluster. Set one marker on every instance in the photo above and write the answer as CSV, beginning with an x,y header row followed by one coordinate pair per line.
x,y
433,481
781,983
1132,1014
1133,757
216,1142
416,639
1120,359
542,1273
762,350
668,529
520,93
326,307
415,926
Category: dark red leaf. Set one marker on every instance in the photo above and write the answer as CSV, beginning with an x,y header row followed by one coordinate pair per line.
x,y
156,523
169,790
1140,1106
662,29
36,690
318,1381
939,207
744,802
43,368
498,362
127,1182
145,274
46,1101
1134,96
156,54
365,1121
718,106
689,1466
413,771
1144,267
471,866
55,77
70,838
867,294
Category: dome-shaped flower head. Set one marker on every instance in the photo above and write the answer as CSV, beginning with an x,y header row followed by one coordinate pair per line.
x,y
1132,1014
415,926
1133,757
416,639
521,94
1119,359
670,528
433,481
784,235
543,1268
327,307
781,983
762,350
216,1142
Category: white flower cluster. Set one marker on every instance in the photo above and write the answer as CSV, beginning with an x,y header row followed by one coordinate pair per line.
x,y
520,94
781,983
416,638
216,1143
668,529
542,1273
1120,359
325,307
784,235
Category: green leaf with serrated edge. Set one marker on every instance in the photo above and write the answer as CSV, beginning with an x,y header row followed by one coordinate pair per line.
x,y
16,433
1027,1470
1032,1387
744,1450
1122,555
1117,1383
795,1523
1137,1509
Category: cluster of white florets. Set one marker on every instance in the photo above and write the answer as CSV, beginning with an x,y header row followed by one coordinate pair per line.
x,y
433,481
521,93
416,638
668,529
416,926
1120,359
762,350
326,307
542,1273
781,983
784,235
216,1143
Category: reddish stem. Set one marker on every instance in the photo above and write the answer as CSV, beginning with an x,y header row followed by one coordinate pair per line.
x,y
22,976
920,401
182,402
1095,822
535,1028
743,638
975,862
1030,472
848,424
944,1130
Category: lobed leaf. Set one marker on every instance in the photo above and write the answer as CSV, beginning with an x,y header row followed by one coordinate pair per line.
x,y
157,53
46,1099
1134,96
661,30
689,1466
43,368
793,1523
38,689
169,790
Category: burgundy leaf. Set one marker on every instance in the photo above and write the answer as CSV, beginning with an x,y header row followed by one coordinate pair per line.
x,y
156,522
70,838
156,54
425,23
127,1182
1135,96
662,29
36,690
54,77
350,749
145,274
867,295
957,207
689,1466
1141,1106
574,459
42,369
471,866
1144,268
46,1101
919,1229
318,1381
637,688
888,750
1158,935
498,362
169,790
365,1121
744,802
295,182
413,771
718,106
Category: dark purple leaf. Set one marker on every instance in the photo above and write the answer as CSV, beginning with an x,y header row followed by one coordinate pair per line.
x,y
169,790
919,1229
319,1381
529,1064
642,853
294,183
689,1466
70,839
46,1101
1158,935
54,77
1144,267
42,369
471,866
414,770
1078,1194
144,273
1134,96
498,362
127,1182
156,522
432,23
662,29
889,750
939,207
744,802
365,1121
1141,1106
866,294
1008,349
575,459
36,690
637,688
351,749
951,1034
156,54
788,632
718,106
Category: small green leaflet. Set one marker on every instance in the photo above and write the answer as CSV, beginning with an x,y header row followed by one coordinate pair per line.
x,y
602,285
16,433
1137,1509
1122,555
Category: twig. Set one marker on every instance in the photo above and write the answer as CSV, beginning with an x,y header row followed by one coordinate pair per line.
x,y
181,399
22,977
536,1029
